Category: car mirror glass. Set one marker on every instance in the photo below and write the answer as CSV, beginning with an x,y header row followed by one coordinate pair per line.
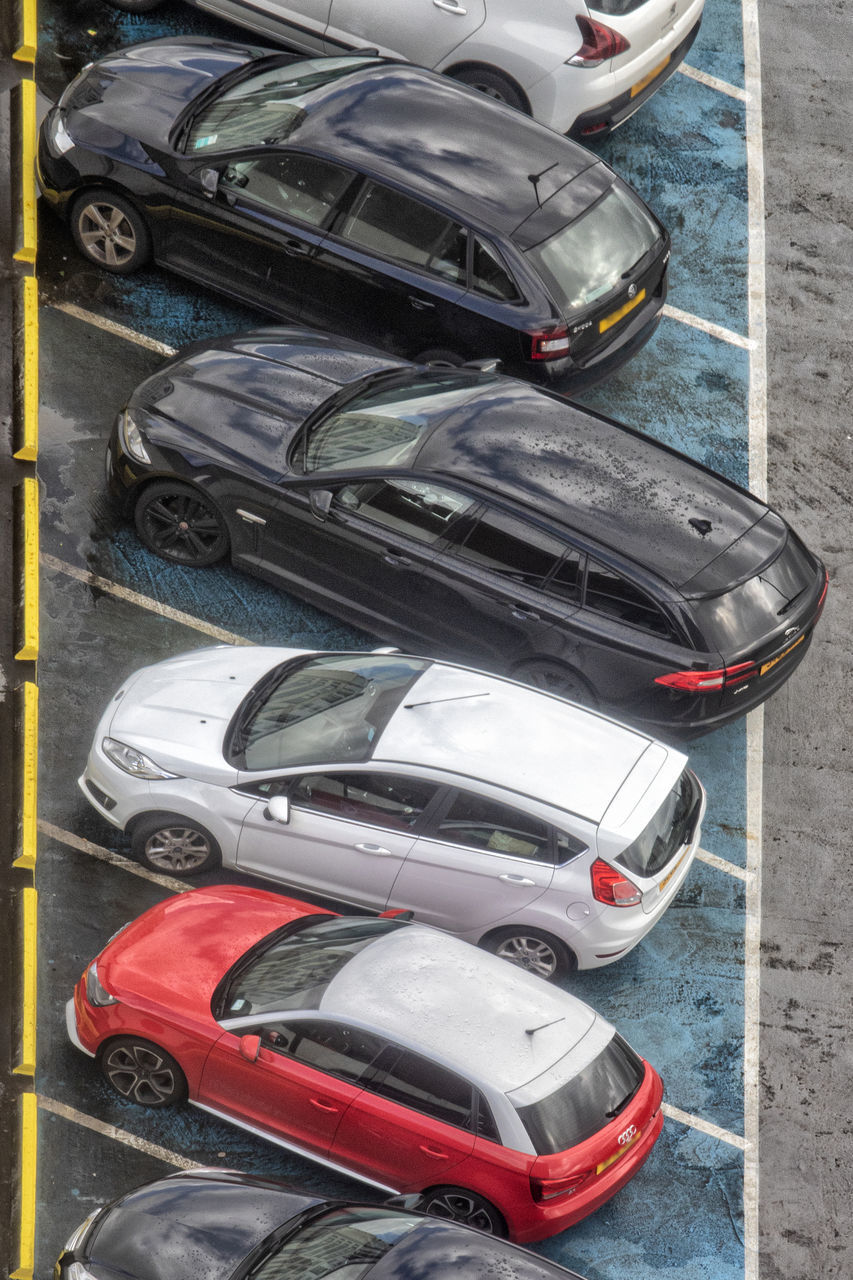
x,y
250,1047
278,809
209,179
321,502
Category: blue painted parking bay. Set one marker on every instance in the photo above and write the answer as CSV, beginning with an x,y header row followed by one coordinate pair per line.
x,y
678,997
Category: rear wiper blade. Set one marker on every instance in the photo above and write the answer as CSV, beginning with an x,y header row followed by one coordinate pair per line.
x,y
623,1104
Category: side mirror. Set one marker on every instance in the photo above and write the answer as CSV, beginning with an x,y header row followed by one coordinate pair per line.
x,y
278,810
321,502
250,1048
209,179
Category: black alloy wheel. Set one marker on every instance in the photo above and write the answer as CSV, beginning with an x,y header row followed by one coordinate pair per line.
x,y
180,524
458,1205
110,232
143,1073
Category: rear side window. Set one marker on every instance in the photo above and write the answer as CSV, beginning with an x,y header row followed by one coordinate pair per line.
x,y
490,276
511,548
585,1104
479,823
608,592
395,226
424,1086
669,830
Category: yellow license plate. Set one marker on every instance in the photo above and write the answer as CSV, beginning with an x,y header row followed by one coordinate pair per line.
x,y
615,316
667,879
772,663
641,84
605,1164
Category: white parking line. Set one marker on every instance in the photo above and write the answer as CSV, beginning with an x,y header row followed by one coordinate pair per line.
x,y
110,856
722,864
708,326
722,86
111,326
118,1135
144,602
704,1126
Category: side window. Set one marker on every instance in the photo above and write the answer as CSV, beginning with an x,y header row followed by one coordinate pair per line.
x,y
343,1051
395,226
380,799
423,511
609,593
485,1124
424,1086
566,582
568,847
512,548
485,824
490,276
297,186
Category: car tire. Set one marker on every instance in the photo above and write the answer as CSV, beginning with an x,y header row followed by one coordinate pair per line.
x,y
174,846
532,949
456,1204
143,1072
110,232
554,677
440,356
494,84
181,524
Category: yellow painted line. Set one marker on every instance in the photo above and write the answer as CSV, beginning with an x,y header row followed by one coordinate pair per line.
x,y
26,251
28,434
29,649
27,856
29,905
26,50
27,1214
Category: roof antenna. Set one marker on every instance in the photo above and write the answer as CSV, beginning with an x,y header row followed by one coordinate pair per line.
x,y
531,1031
456,697
535,178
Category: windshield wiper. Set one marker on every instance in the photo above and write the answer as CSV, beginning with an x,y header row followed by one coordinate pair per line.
x,y
623,1104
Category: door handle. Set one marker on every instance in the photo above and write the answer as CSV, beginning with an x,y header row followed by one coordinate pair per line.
x,y
376,849
521,881
399,562
421,304
525,615
323,1106
448,7
296,248
433,1152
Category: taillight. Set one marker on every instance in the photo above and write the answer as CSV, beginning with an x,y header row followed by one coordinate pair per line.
x,y
549,344
548,1188
709,681
600,43
611,887
822,599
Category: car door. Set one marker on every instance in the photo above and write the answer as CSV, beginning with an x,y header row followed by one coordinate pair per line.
x,y
424,31
348,833
301,23
477,862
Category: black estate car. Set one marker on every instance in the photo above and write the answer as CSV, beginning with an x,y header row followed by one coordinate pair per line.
x,y
473,514
360,194
214,1224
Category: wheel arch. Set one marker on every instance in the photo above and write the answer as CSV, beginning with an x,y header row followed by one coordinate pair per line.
x,y
479,64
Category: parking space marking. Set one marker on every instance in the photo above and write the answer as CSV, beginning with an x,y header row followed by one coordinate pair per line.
x,y
713,82
722,864
708,326
144,602
752,986
118,1135
113,327
704,1126
107,855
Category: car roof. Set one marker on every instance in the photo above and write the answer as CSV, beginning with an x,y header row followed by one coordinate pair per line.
x,y
605,481
467,1008
447,144
507,734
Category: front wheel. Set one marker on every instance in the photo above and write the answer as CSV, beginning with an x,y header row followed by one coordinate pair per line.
x,y
459,1205
181,524
142,1072
110,231
533,950
176,846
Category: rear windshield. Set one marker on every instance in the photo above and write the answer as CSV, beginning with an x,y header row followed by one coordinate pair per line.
x,y
588,258
669,830
758,607
588,1102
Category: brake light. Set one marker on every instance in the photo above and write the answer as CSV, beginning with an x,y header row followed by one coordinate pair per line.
x,y
549,344
822,599
548,1188
709,681
600,43
611,887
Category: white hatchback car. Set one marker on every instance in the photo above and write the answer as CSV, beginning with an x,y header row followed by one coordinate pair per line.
x,y
581,68
545,832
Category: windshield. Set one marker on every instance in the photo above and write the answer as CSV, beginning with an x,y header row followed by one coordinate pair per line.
x,y
587,1102
265,107
670,829
322,710
292,972
588,258
342,1245
384,428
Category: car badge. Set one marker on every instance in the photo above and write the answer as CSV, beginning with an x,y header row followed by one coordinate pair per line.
x,y
632,290
626,1137
791,631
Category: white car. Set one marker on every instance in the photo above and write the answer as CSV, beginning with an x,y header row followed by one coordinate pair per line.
x,y
542,831
580,68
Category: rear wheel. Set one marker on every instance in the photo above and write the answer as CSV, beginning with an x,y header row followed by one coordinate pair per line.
x,y
532,949
443,357
110,231
174,846
181,524
142,1072
553,677
459,1205
494,85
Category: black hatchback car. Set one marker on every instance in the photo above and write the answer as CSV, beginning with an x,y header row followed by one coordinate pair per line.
x,y
362,195
473,514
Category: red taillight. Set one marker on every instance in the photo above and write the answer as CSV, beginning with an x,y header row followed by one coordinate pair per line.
x,y
709,681
611,887
548,1188
549,344
600,43
822,599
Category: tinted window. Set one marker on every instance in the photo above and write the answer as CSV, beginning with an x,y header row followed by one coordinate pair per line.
x,y
610,593
588,1102
421,510
426,1087
669,830
381,799
395,226
568,847
490,276
342,1051
342,1245
566,583
480,823
294,185
512,548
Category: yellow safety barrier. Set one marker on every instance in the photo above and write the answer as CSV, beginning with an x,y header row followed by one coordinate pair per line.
x,y
28,540
27,1218
29,777
26,251
26,51
27,1064
27,435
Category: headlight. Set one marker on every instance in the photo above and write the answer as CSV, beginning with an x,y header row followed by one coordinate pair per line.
x,y
131,438
97,995
80,1234
78,1271
58,136
134,762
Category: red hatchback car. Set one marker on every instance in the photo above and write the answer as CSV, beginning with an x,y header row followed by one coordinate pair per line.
x,y
382,1048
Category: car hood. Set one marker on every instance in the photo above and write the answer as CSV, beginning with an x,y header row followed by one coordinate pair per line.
x,y
177,711
241,399
140,91
170,959
186,1226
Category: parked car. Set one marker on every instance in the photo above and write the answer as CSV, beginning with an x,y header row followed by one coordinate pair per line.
x,y
384,1049
521,822
476,516
219,1224
581,68
361,195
